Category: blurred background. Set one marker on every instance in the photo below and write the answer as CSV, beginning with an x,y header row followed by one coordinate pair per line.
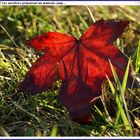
x,y
43,114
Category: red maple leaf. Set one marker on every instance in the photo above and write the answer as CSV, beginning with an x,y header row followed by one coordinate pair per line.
x,y
82,65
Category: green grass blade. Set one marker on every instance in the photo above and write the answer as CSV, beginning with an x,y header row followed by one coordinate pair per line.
x,y
124,83
82,21
3,132
54,131
120,100
114,74
92,17
137,62
30,114
118,115
125,78
120,111
9,36
111,85
103,116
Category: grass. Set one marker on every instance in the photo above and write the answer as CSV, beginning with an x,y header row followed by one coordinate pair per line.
x,y
115,113
120,99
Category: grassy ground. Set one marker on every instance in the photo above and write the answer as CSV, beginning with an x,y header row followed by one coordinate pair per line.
x,y
43,114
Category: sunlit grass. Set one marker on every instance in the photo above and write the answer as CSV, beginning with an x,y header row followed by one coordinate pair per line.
x,y
43,114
